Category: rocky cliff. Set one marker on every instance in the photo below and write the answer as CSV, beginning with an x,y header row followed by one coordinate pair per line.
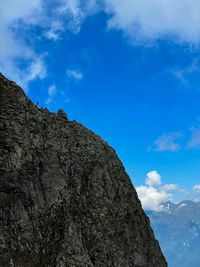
x,y
65,198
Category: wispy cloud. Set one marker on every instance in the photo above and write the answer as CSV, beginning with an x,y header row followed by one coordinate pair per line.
x,y
13,16
196,188
35,70
54,31
167,142
51,93
74,74
180,74
52,90
171,187
147,21
67,100
18,15
194,141
196,192
171,141
183,74
143,21
73,10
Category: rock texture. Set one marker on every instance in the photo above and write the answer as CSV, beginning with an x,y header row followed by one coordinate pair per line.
x,y
65,198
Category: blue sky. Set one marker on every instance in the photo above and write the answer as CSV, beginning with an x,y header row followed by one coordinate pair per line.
x,y
127,69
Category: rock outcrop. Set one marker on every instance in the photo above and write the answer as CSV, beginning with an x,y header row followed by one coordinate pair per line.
x,y
65,198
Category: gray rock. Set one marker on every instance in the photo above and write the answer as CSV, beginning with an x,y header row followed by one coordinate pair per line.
x,y
65,198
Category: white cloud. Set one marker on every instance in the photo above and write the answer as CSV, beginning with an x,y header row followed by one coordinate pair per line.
x,y
151,198
52,90
48,101
196,188
143,21
146,21
74,74
13,15
196,192
194,141
169,141
72,6
19,9
54,31
75,12
92,7
51,94
67,100
153,178
17,19
77,7
166,142
180,74
72,9
171,187
36,69
10,14
154,193
183,74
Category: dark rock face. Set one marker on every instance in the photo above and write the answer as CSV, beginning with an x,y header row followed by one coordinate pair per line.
x,y
65,198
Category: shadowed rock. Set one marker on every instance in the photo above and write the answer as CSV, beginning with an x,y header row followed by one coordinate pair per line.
x,y
65,198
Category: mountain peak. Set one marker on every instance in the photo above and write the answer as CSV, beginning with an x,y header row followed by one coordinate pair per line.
x,y
12,97
9,87
65,198
178,231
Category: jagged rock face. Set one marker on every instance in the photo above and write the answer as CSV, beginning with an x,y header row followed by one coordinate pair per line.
x,y
65,198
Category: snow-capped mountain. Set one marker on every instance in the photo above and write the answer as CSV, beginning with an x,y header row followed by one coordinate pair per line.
x,y
177,228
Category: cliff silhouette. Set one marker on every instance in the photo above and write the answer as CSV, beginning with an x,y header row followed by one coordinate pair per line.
x,y
65,198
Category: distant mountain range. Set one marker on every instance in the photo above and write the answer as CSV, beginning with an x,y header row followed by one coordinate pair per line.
x,y
177,228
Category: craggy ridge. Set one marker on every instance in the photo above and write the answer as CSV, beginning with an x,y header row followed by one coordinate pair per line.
x,y
65,198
